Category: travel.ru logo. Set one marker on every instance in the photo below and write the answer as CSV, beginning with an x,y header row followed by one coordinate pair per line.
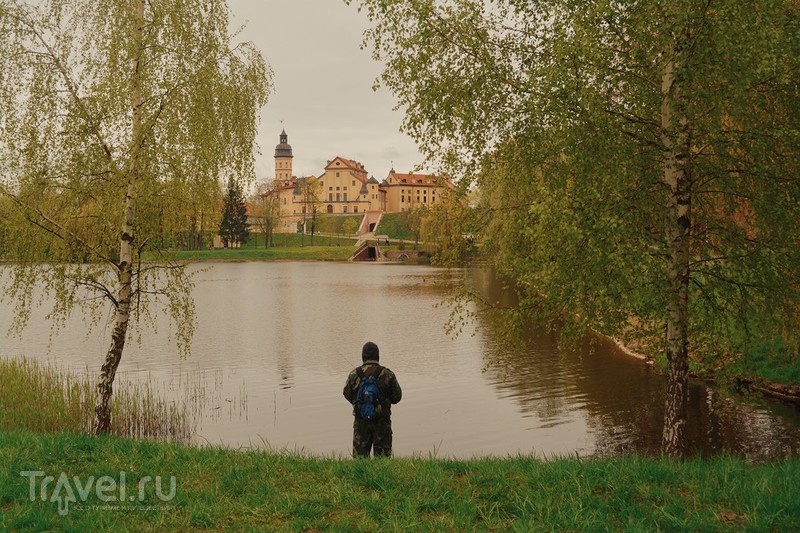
x,y
67,491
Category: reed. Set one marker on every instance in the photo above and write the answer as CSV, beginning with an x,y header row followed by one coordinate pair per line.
x,y
44,398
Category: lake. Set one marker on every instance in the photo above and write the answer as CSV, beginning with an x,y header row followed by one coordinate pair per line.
x,y
276,340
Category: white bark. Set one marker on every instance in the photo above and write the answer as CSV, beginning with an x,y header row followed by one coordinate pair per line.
x,y
126,240
676,177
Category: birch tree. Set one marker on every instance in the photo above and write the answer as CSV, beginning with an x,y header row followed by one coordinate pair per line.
x,y
111,115
638,161
309,190
267,210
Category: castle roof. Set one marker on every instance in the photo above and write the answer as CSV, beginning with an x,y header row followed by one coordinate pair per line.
x,y
338,163
283,149
395,179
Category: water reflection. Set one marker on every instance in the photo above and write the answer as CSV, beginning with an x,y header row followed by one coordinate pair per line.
x,y
622,398
275,342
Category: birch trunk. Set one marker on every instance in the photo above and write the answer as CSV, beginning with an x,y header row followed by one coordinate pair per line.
x,y
125,264
677,179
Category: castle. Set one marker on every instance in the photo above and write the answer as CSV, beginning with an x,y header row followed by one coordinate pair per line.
x,y
345,188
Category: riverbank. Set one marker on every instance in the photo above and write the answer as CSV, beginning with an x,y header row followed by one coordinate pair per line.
x,y
287,247
43,412
277,253
219,489
776,376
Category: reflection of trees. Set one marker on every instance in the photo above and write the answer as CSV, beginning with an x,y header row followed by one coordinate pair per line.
x,y
621,398
755,431
283,341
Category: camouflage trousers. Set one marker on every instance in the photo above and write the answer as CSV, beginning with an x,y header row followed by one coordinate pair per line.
x,y
373,435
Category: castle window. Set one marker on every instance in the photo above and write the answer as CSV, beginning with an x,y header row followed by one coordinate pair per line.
x,y
338,196
355,209
344,209
330,196
354,183
337,174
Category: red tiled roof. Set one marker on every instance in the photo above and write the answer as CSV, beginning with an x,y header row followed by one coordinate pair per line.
x,y
418,180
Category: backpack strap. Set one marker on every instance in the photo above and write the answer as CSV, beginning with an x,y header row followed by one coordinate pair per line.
x,y
361,374
375,375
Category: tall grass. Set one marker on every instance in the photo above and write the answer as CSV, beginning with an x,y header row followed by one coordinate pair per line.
x,y
42,398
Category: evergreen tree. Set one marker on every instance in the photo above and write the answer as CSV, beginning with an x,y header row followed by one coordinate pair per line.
x,y
233,227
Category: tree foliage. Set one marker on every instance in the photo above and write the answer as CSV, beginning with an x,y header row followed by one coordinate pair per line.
x,y
448,228
310,192
637,161
117,119
267,210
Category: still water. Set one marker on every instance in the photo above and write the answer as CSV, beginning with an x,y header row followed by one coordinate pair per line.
x,y
275,342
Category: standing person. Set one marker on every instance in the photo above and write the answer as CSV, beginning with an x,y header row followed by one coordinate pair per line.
x,y
372,389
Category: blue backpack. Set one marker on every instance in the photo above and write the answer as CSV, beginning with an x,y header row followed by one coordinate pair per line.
x,y
368,397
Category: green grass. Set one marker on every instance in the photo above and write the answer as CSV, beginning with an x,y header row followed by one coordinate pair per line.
x,y
294,240
38,397
220,489
287,247
43,412
769,362
395,225
336,224
319,253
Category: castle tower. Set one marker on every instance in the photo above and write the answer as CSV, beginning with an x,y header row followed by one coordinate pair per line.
x,y
283,159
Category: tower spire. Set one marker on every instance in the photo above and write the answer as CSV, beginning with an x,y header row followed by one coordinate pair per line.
x,y
283,157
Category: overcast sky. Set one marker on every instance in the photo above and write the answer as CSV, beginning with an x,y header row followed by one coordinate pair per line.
x,y
323,88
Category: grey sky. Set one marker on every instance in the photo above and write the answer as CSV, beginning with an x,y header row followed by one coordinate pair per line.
x,y
323,88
